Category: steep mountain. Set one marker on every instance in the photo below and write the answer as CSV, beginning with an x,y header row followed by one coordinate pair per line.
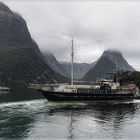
x,y
20,58
80,69
117,58
107,64
50,60
64,68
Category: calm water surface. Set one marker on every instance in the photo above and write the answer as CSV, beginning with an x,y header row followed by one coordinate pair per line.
x,y
40,119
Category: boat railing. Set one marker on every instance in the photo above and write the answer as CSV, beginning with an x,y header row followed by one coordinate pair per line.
x,y
114,91
35,86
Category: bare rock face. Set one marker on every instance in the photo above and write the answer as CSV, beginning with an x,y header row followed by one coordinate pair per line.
x,y
64,68
107,64
117,58
104,65
80,69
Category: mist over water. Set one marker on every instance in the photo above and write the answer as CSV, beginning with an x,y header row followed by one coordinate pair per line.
x,y
40,119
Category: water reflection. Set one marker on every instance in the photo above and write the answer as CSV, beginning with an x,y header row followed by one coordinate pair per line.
x,y
41,119
107,119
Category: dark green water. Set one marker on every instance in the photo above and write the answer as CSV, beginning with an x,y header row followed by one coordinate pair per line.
x,y
40,119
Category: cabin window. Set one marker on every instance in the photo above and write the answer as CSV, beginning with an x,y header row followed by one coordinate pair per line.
x,y
74,90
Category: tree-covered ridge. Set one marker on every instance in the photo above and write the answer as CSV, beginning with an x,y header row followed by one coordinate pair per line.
x,y
20,58
135,77
129,77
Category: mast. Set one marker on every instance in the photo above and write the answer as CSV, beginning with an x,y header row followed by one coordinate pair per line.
x,y
72,55
116,70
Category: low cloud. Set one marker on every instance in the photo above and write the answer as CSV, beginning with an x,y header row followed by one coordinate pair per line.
x,y
95,26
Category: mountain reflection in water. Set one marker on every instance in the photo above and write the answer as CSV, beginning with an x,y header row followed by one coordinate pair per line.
x,y
41,119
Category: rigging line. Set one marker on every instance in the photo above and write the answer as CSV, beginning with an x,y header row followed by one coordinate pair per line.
x,y
66,51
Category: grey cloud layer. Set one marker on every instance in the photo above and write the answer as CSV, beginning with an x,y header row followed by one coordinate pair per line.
x,y
95,26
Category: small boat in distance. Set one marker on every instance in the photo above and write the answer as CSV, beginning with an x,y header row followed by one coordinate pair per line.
x,y
102,90
3,88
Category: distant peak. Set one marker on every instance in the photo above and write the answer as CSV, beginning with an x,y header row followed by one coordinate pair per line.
x,y
4,7
111,50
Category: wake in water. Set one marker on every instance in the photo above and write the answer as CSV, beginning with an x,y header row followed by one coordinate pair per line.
x,y
42,103
41,119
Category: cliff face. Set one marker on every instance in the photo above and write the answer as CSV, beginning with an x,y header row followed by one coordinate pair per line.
x,y
64,68
117,58
104,65
80,69
20,58
54,64
107,64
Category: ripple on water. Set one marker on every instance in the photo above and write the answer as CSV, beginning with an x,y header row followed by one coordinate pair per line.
x,y
41,119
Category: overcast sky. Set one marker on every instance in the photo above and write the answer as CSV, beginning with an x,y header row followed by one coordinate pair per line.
x,y
95,26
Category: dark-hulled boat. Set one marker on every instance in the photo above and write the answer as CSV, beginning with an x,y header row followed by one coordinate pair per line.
x,y
102,92
59,96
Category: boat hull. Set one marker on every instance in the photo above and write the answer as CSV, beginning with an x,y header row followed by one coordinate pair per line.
x,y
60,96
